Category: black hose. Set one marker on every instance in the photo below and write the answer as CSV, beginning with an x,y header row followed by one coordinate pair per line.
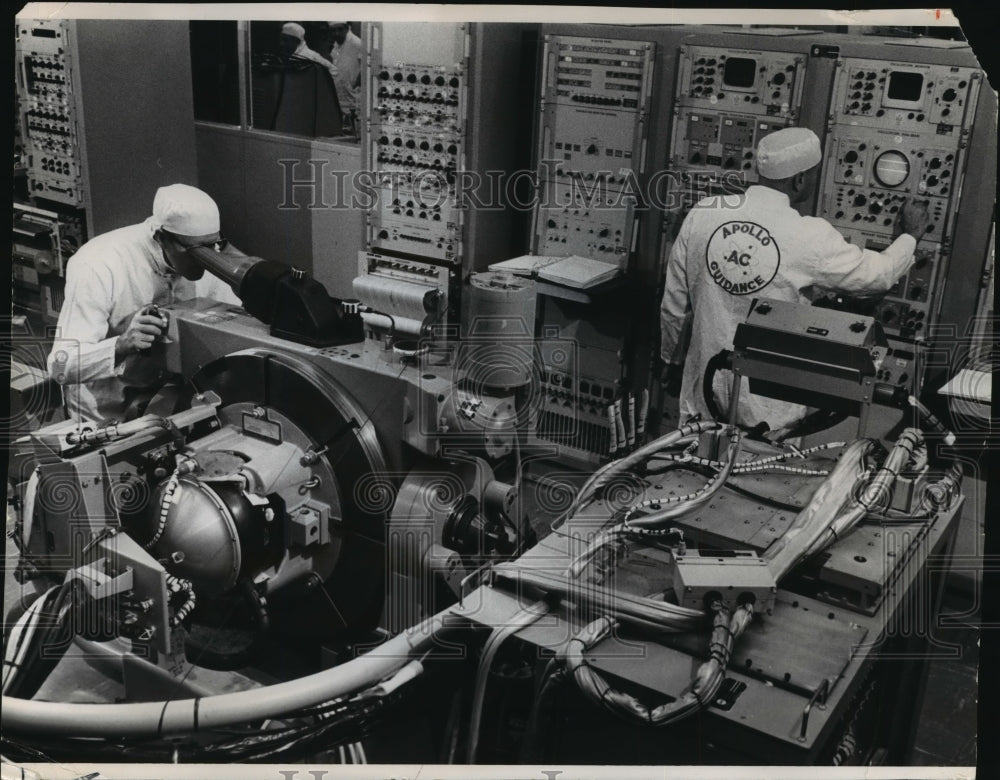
x,y
54,633
721,360
814,422
763,499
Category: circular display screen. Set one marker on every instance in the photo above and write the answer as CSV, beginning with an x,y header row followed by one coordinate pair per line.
x,y
892,168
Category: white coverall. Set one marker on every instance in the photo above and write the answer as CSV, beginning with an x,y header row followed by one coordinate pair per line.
x,y
302,51
346,59
108,280
734,249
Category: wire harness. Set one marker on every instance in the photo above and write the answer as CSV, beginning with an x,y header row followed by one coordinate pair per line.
x,y
704,686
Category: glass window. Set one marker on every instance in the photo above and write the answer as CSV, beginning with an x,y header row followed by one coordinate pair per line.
x,y
215,71
291,86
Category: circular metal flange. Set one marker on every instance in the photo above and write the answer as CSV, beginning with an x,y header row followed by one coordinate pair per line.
x,y
331,422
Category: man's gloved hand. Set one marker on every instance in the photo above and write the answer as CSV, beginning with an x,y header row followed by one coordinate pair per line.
x,y
143,330
671,377
914,218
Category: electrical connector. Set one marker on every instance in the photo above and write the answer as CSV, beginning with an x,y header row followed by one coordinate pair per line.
x,y
734,578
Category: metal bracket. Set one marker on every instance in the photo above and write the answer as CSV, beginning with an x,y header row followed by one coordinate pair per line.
x,y
819,50
100,585
818,698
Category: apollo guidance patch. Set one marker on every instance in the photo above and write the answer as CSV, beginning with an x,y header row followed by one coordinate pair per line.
x,y
742,257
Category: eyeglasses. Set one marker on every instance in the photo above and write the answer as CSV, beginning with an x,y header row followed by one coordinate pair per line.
x,y
218,244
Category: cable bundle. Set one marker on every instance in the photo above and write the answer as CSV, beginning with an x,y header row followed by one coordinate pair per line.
x,y
647,613
841,502
702,690
166,502
341,723
606,473
177,585
691,501
679,505
39,639
773,463
181,716
116,430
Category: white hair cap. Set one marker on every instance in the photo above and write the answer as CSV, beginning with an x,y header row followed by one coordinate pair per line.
x,y
293,29
185,210
788,152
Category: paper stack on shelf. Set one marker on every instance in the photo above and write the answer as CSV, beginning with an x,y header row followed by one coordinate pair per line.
x,y
578,272
525,265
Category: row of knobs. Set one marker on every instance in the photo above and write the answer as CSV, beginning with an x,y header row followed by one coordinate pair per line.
x,y
599,100
42,113
884,374
425,79
421,215
49,127
424,146
51,78
418,118
410,162
602,233
56,147
384,235
56,166
398,94
604,176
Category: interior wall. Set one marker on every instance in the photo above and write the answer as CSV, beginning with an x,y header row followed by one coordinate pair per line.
x,y
285,199
338,224
144,66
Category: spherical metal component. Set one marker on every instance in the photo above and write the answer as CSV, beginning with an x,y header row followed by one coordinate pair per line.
x,y
200,540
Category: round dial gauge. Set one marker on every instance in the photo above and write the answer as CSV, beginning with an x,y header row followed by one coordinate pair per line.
x,y
892,168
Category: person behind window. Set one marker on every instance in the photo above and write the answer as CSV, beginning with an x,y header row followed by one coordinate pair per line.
x,y
292,44
345,56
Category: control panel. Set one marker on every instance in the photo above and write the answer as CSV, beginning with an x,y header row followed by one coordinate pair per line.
x,y
581,390
910,96
416,130
727,100
592,145
43,240
754,82
404,297
48,116
593,125
589,223
406,270
898,132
